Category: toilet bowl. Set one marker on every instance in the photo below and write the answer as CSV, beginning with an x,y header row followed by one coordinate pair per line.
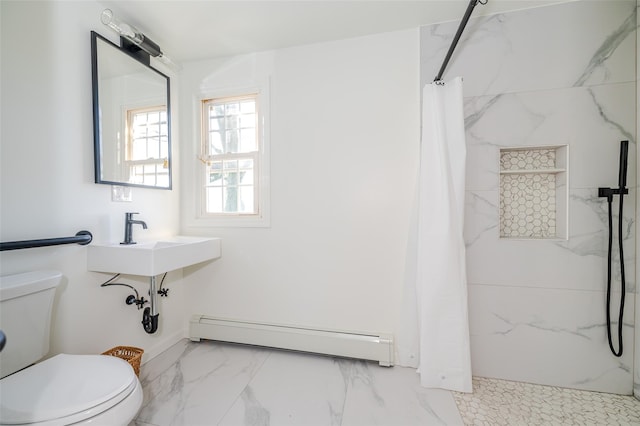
x,y
71,389
64,389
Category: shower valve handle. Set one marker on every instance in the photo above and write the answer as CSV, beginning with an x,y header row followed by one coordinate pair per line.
x,y
610,192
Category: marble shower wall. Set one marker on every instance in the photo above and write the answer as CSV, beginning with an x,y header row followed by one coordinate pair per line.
x,y
636,377
557,75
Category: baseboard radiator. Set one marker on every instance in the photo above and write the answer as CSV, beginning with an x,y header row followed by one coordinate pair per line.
x,y
369,346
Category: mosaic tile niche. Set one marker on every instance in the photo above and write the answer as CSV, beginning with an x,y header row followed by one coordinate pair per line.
x,y
533,188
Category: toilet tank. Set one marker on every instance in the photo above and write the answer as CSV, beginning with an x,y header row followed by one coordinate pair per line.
x,y
26,302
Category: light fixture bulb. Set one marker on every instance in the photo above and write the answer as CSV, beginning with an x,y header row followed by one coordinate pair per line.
x,y
135,36
125,30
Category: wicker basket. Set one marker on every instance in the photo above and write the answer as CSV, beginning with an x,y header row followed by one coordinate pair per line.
x,y
130,354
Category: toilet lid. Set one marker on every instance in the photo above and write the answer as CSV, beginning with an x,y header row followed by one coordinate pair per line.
x,y
62,386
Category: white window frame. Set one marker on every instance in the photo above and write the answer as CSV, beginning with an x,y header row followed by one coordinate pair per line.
x,y
128,161
261,166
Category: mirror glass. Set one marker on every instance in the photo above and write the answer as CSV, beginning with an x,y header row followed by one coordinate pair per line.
x,y
131,119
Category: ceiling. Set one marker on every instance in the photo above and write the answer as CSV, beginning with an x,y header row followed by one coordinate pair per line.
x,y
189,30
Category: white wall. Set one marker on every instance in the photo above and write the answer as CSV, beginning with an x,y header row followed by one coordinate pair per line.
x,y
563,74
344,148
46,179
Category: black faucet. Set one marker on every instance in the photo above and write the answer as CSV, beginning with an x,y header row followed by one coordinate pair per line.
x,y
128,232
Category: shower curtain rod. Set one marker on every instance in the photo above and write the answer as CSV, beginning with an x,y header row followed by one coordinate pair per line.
x,y
465,19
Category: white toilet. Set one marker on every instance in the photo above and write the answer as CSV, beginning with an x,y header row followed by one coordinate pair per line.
x,y
65,389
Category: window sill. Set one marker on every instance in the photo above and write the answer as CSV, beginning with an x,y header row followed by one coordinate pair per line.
x,y
231,221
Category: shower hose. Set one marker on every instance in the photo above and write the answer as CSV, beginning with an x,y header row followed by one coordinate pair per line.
x,y
617,353
609,193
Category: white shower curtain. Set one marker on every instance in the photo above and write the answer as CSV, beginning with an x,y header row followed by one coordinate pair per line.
x,y
441,281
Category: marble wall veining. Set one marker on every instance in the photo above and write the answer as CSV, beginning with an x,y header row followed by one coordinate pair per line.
x,y
558,75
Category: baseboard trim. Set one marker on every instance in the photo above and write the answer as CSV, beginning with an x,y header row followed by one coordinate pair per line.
x,y
369,346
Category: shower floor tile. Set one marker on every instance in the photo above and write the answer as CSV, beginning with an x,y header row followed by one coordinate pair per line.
x,y
501,402
213,383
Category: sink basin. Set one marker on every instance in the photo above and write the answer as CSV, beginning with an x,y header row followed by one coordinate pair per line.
x,y
152,258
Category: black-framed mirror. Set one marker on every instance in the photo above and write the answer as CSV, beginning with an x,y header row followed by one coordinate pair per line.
x,y
131,118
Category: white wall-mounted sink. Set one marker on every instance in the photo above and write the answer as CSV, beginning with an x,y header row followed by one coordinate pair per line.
x,y
152,258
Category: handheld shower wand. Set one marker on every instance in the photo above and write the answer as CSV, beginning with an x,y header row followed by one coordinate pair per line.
x,y
609,193
624,153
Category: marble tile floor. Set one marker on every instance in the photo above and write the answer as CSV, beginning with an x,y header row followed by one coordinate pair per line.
x,y
213,383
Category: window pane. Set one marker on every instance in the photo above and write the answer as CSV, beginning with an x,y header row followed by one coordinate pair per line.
x,y
230,178
216,110
215,179
248,106
246,163
216,123
215,143
136,174
232,121
164,147
246,177
163,179
230,199
214,200
248,121
215,174
149,177
246,200
248,138
153,148
231,165
139,150
153,119
232,108
232,139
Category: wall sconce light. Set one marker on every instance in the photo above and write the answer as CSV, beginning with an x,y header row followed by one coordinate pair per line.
x,y
134,40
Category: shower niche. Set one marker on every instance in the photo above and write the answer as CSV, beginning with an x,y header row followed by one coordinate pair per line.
x,y
534,192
